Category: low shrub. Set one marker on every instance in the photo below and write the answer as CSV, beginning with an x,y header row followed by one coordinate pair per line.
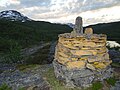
x,y
96,86
111,81
5,87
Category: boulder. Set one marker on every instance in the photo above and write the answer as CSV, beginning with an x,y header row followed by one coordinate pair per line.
x,y
88,31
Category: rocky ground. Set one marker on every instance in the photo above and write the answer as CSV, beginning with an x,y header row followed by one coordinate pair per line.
x,y
23,75
32,77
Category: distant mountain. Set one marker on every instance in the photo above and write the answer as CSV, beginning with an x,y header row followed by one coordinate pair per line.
x,y
70,25
13,16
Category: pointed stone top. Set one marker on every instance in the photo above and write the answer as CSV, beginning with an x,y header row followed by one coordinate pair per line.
x,y
78,25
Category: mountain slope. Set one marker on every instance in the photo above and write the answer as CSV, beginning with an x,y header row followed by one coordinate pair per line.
x,y
28,33
112,30
13,16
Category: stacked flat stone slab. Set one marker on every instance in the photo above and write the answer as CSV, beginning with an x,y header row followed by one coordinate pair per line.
x,y
82,58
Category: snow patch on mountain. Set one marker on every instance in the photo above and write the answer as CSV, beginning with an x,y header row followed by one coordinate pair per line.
x,y
70,25
13,16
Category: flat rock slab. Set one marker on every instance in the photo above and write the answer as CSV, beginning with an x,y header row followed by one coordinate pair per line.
x,y
30,80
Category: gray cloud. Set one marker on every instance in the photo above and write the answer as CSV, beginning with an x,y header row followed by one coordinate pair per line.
x,y
81,6
31,3
54,10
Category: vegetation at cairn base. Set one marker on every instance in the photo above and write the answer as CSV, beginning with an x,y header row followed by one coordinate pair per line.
x,y
96,86
59,85
111,81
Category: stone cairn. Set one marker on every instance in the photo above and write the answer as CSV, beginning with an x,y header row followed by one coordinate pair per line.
x,y
81,58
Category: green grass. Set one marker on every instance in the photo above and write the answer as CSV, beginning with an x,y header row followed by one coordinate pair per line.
x,y
1,71
21,88
5,87
111,81
116,65
96,86
24,67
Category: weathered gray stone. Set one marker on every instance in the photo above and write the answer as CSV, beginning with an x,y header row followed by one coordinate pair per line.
x,y
78,25
30,80
83,81
80,77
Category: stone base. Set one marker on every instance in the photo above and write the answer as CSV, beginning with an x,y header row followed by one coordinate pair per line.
x,y
80,77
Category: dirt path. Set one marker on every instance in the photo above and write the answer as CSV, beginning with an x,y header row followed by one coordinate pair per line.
x,y
32,50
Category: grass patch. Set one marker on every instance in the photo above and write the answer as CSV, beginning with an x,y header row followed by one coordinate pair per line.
x,y
96,86
116,65
23,67
111,81
21,88
1,71
5,87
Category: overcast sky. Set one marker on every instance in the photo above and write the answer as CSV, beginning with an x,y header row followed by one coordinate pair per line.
x,y
65,11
